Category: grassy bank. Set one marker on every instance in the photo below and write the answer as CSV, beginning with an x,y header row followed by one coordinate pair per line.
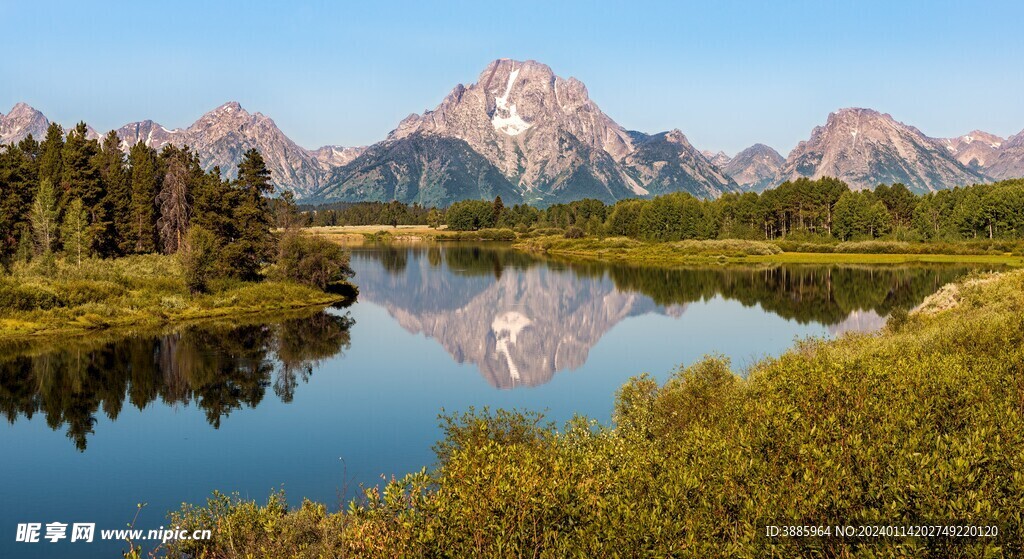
x,y
130,292
920,423
621,249
361,234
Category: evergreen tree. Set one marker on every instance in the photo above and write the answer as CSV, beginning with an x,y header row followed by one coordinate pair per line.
x,y
18,184
26,247
75,231
254,244
145,184
80,175
116,195
44,217
498,208
51,155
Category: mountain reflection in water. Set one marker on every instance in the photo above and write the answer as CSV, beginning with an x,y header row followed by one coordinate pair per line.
x,y
520,319
218,367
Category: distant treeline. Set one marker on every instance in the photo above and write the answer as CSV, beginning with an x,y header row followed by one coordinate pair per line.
x,y
824,209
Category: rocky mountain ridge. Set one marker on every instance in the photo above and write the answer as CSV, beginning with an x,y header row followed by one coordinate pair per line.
x,y
539,131
528,135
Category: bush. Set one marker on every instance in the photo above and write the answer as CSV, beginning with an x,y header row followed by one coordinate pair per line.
x,y
198,258
573,232
312,261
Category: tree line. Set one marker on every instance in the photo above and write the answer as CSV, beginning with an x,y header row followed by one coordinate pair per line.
x,y
83,197
825,209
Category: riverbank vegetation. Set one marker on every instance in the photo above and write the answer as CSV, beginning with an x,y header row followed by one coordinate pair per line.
x,y
811,212
92,239
920,423
62,297
695,252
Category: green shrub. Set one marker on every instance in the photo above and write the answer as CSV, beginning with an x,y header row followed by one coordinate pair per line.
x,y
573,232
311,261
199,258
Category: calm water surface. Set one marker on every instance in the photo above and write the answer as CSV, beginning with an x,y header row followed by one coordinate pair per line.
x,y
321,402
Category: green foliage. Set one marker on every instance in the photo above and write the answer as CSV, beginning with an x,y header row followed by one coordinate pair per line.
x,y
470,215
43,216
311,261
145,181
198,257
573,232
75,233
919,423
253,246
58,296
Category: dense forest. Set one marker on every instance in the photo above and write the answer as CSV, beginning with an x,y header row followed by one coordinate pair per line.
x,y
83,197
824,209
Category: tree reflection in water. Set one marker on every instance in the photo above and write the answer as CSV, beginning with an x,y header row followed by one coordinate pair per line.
x,y
219,367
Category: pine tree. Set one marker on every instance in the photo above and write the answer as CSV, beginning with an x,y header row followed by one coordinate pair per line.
x,y
75,231
44,217
116,195
51,155
145,184
18,184
254,244
80,174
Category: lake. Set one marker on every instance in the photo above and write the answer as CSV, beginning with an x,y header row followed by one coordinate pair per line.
x,y
319,402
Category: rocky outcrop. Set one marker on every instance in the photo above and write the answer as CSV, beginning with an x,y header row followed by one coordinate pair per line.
x,y
23,120
546,136
755,168
1008,162
866,148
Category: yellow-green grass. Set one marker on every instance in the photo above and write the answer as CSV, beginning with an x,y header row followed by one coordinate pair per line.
x,y
683,253
131,292
359,234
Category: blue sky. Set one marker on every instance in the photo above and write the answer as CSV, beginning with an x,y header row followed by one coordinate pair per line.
x,y
728,74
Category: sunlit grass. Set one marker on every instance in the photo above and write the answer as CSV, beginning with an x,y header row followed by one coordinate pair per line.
x,y
133,291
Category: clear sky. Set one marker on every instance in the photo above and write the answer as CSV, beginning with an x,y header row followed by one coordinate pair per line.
x,y
728,74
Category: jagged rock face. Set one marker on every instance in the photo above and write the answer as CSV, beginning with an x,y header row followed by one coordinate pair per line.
x,y
546,136
755,168
222,136
866,148
719,159
1008,162
425,169
330,157
149,133
23,120
975,149
666,162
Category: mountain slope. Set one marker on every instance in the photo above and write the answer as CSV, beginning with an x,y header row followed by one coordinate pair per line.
x,y
755,168
223,135
1008,161
975,149
429,170
23,120
866,148
547,137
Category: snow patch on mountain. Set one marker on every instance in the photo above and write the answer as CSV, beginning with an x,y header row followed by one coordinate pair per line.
x,y
513,124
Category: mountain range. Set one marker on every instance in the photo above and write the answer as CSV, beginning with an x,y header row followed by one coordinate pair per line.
x,y
528,135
